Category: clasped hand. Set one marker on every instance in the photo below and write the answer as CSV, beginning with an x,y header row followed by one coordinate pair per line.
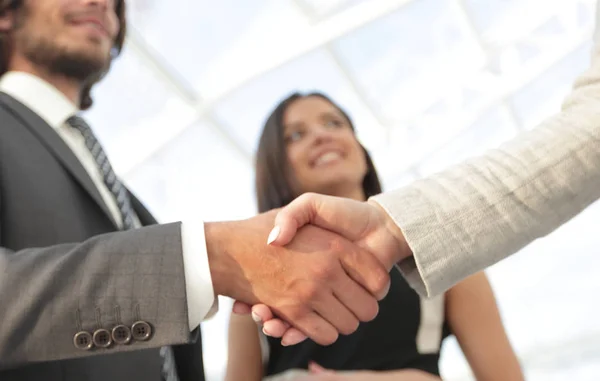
x,y
358,233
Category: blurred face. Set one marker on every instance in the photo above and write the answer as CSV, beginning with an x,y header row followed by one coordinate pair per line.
x,y
73,38
322,150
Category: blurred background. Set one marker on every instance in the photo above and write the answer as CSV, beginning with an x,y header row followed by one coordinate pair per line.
x,y
428,83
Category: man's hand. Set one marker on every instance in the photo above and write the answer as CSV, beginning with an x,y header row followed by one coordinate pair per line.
x,y
320,282
364,223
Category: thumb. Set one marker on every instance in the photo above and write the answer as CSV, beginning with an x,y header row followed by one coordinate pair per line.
x,y
346,217
291,218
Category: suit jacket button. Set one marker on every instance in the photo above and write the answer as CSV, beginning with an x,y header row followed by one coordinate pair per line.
x,y
83,340
121,334
102,338
141,331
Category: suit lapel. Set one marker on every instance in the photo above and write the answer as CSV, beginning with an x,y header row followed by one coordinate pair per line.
x,y
54,143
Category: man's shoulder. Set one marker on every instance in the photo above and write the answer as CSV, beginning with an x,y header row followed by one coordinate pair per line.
x,y
11,113
9,120
9,107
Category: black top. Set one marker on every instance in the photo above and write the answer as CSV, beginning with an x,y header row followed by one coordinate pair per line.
x,y
389,342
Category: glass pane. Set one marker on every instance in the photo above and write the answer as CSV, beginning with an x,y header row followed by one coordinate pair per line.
x,y
489,14
185,179
132,106
431,131
489,131
404,62
326,7
505,20
391,183
194,37
544,96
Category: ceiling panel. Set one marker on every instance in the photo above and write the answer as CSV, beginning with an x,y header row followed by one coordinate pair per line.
x,y
129,99
492,129
534,102
404,62
490,14
323,8
193,37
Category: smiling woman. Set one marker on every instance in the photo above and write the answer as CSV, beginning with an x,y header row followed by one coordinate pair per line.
x,y
287,166
44,33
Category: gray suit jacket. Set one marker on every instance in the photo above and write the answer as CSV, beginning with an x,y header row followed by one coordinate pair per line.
x,y
472,215
65,269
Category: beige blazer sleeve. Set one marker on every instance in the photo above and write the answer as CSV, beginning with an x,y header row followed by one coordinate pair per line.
x,y
474,214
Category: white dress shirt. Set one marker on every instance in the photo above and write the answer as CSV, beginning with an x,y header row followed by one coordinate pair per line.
x,y
54,108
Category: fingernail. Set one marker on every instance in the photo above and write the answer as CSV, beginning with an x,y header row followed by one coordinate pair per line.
x,y
256,318
265,332
273,235
291,339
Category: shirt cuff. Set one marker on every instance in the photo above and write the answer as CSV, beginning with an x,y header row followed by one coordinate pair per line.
x,y
201,300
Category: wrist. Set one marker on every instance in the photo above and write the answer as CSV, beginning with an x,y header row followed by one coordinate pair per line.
x,y
401,249
220,262
232,252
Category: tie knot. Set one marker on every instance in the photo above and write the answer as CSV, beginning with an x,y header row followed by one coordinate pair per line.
x,y
79,124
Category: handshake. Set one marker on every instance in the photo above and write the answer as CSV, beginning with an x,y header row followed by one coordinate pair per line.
x,y
320,273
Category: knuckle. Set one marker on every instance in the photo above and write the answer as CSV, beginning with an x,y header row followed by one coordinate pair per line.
x,y
309,293
306,197
379,280
321,272
293,314
326,269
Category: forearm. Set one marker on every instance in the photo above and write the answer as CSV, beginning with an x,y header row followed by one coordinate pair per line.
x,y
474,319
508,370
475,214
49,294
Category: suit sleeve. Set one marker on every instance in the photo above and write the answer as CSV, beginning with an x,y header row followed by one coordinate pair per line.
x,y
47,295
473,215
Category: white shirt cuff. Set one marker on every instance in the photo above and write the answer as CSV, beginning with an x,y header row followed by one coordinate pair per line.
x,y
201,300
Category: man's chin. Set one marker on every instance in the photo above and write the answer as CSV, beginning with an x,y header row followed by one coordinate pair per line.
x,y
80,67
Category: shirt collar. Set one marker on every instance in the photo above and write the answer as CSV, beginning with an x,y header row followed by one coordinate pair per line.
x,y
38,95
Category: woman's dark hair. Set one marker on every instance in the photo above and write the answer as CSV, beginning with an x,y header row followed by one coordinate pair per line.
x,y
86,99
273,187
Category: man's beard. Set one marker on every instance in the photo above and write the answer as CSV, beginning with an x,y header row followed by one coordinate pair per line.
x,y
78,66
